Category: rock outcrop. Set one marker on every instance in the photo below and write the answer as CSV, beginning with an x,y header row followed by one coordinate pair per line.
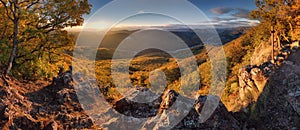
x,y
42,105
270,93
169,111
253,78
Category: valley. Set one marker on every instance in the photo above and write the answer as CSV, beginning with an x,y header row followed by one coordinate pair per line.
x,y
168,64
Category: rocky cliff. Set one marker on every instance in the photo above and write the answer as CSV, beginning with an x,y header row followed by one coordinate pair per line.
x,y
270,93
253,78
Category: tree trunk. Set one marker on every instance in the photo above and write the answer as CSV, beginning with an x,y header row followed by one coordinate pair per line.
x,y
15,12
278,42
14,48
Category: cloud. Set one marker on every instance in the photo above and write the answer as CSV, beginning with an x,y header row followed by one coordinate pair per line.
x,y
239,23
226,22
224,19
221,10
235,12
241,13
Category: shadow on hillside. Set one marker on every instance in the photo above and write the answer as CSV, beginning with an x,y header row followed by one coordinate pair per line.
x,y
46,95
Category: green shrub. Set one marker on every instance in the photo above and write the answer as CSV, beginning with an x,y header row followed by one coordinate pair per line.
x,y
39,68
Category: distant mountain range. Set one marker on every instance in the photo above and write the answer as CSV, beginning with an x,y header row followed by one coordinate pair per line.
x,y
115,36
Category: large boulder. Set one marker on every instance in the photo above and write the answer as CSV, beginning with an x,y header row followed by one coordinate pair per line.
x,y
295,45
172,110
168,98
252,81
219,119
134,106
262,54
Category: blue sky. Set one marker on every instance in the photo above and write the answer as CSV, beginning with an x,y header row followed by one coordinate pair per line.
x,y
225,12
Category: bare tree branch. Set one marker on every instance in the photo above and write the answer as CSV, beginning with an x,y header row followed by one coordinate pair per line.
x,y
33,3
6,10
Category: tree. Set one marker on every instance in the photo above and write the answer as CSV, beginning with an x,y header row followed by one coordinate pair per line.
x,y
280,16
12,12
295,20
38,28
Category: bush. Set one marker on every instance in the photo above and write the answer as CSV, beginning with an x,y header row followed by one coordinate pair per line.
x,y
43,58
39,68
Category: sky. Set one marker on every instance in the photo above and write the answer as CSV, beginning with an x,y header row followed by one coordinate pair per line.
x,y
219,12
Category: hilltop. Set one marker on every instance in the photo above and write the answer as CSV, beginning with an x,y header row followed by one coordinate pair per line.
x,y
54,105
163,76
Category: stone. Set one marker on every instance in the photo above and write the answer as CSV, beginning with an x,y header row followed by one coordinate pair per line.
x,y
286,53
168,98
52,126
252,82
67,78
25,123
142,95
295,45
200,103
258,78
288,62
